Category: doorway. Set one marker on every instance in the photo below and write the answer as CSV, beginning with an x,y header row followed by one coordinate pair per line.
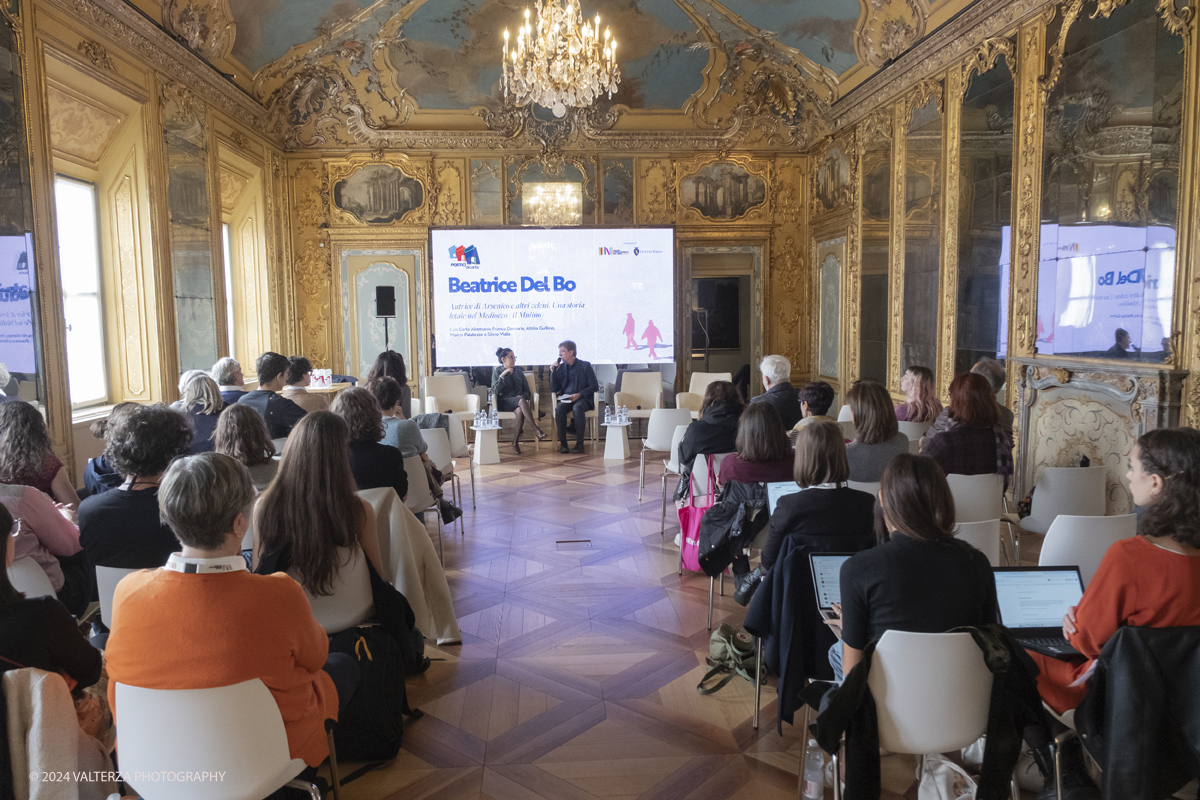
x,y
723,313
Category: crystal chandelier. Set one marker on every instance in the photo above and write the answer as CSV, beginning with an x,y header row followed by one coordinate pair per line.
x,y
553,204
566,63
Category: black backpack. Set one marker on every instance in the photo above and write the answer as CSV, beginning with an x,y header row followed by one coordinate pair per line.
x,y
371,727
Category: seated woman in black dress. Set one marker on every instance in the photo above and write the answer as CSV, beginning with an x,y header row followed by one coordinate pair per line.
x,y
510,392
824,507
923,579
374,464
39,631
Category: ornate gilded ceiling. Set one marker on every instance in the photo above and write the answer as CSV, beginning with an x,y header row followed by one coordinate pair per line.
x,y
740,72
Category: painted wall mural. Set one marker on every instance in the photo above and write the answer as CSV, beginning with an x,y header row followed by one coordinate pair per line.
x,y
723,191
378,194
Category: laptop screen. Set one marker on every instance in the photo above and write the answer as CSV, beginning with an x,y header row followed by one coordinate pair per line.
x,y
827,576
1037,597
778,490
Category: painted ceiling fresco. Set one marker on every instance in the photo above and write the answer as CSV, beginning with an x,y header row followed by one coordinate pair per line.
x,y
444,54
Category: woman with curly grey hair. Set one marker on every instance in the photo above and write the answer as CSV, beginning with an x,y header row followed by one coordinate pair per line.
x,y
121,527
25,455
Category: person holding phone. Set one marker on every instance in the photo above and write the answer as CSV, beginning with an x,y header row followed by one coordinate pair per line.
x,y
573,381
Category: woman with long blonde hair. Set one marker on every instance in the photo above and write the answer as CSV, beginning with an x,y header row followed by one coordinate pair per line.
x,y
921,402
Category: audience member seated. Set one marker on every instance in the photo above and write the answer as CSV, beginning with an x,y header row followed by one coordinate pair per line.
x,y
1149,581
40,632
815,399
204,621
280,413
26,457
762,452
390,364
921,402
99,475
922,579
373,464
977,443
242,435
398,432
299,375
310,508
878,437
776,379
202,405
5,380
45,534
714,432
510,392
227,372
824,507
121,528
993,373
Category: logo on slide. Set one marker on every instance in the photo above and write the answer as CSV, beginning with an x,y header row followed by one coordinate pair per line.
x,y
465,255
612,251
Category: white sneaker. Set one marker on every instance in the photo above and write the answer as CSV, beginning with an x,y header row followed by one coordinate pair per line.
x,y
679,539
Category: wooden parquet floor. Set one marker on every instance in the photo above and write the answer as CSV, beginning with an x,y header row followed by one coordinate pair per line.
x,y
577,672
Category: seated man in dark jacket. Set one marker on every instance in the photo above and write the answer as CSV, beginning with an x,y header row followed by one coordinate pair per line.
x,y
776,370
576,378
281,414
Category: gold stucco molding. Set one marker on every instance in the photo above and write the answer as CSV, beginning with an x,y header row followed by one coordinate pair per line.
x,y
205,26
95,53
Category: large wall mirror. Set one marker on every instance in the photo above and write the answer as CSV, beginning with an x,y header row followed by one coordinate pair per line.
x,y
1110,187
876,236
984,216
922,235
21,354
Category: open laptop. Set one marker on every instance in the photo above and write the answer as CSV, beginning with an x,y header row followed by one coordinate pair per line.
x,y
778,490
1032,603
827,580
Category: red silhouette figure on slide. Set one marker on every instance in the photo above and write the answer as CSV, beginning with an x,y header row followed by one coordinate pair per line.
x,y
629,330
652,335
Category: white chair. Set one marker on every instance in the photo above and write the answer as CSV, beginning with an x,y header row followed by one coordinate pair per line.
x,y
844,415
438,444
671,467
107,579
659,430
870,487
28,577
641,393
983,536
932,693
448,394
699,381
977,497
691,402
1076,491
236,730
1082,541
350,602
414,407
420,499
849,430
914,431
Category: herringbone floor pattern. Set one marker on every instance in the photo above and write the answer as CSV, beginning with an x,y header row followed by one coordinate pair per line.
x,y
577,674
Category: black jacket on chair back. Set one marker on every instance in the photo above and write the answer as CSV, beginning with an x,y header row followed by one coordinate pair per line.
x,y
737,516
1140,718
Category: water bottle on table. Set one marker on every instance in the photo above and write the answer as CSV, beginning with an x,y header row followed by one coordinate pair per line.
x,y
814,772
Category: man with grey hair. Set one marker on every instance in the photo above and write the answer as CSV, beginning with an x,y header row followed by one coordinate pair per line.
x,y
227,372
204,620
776,379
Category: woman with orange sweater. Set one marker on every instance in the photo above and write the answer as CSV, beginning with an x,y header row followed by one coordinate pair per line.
x,y
204,621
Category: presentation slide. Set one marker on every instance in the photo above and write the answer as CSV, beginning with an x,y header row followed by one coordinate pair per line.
x,y
16,304
610,290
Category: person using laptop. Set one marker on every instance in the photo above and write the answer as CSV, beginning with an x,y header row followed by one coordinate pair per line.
x,y
1151,580
827,507
922,579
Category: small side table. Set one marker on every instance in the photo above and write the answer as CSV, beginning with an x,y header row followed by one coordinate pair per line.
x,y
487,445
616,442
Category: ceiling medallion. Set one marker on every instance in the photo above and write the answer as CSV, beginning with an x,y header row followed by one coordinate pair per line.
x,y
565,63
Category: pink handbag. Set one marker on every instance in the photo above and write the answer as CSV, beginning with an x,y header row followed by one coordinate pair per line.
x,y
689,522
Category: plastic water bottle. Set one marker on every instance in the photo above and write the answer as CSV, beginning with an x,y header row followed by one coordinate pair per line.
x,y
814,772
607,415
